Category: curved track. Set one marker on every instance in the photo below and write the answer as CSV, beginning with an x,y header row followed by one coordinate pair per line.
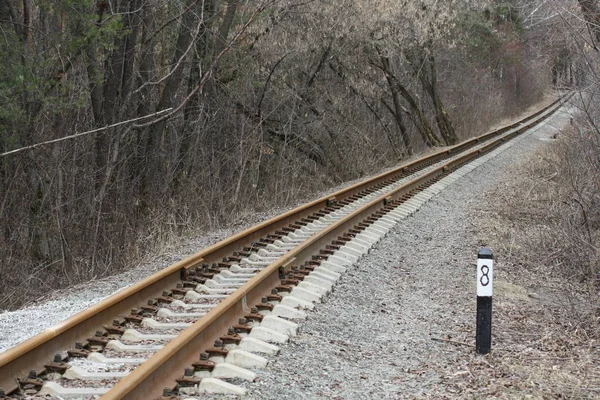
x,y
147,334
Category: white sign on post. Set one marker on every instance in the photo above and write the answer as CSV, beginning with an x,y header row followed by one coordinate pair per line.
x,y
485,277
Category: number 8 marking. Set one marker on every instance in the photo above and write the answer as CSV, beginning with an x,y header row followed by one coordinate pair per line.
x,y
485,273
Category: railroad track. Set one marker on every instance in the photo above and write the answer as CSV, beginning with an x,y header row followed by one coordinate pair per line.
x,y
208,321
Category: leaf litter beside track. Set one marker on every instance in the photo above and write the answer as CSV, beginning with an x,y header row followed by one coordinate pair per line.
x,y
542,328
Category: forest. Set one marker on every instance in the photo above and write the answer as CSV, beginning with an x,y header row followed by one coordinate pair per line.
x,y
123,123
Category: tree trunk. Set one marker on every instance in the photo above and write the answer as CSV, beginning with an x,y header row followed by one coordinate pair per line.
x,y
147,68
193,109
134,20
591,13
225,28
118,71
155,168
441,115
397,110
418,117
220,44
338,69
424,66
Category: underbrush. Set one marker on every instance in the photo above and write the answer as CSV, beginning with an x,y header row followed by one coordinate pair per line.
x,y
76,238
571,243
549,224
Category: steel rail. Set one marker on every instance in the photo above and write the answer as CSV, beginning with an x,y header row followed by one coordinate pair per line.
x,y
36,351
148,380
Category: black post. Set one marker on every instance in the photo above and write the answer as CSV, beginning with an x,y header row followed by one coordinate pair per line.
x,y
483,336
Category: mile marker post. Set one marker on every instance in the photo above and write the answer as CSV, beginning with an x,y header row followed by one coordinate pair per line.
x,y
485,279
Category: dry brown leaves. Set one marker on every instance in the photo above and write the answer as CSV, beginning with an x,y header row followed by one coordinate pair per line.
x,y
546,339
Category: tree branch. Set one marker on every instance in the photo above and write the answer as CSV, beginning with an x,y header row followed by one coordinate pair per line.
x,y
76,135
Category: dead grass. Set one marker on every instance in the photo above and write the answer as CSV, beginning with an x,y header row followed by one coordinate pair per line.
x,y
546,332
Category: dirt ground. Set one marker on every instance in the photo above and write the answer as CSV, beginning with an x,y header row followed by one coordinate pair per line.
x,y
546,336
